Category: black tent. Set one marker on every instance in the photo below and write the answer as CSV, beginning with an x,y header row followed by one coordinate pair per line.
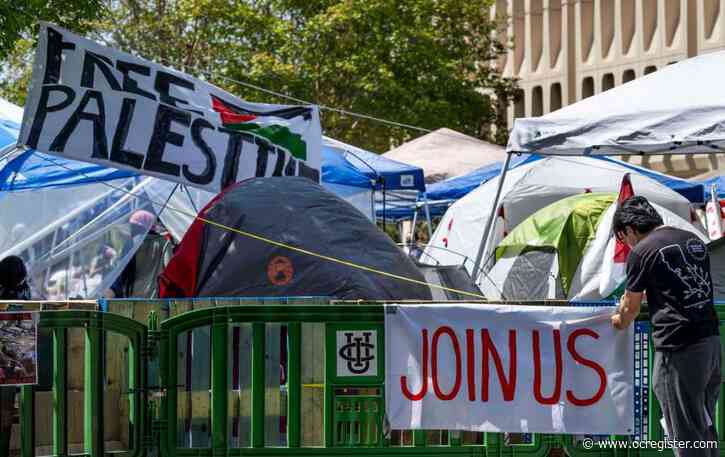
x,y
214,261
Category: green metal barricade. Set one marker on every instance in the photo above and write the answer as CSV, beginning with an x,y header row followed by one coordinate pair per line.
x,y
94,325
259,379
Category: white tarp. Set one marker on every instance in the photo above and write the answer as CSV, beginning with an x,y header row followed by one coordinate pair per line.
x,y
678,109
97,104
544,369
528,188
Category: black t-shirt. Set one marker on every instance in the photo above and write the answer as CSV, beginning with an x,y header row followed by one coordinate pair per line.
x,y
673,267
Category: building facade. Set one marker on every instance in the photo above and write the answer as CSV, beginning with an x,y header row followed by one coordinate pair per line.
x,y
566,50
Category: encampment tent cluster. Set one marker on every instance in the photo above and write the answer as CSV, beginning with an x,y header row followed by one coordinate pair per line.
x,y
530,221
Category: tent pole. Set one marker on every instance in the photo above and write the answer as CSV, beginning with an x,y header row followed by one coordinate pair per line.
x,y
427,216
489,222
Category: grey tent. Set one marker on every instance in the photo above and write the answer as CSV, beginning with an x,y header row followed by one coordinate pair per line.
x,y
214,261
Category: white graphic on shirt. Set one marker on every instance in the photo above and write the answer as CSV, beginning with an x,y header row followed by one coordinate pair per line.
x,y
695,280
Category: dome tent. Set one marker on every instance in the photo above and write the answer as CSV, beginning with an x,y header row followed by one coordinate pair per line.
x,y
560,252
528,188
212,261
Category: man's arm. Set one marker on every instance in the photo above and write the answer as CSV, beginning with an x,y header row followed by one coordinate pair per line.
x,y
628,309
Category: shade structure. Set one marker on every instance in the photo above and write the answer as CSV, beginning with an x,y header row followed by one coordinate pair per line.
x,y
678,109
445,153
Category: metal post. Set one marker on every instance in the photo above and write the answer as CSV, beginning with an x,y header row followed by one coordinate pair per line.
x,y
219,388
258,384
419,438
294,384
60,395
427,216
489,223
93,392
27,421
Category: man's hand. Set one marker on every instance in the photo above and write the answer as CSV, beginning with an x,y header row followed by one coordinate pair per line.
x,y
627,310
617,321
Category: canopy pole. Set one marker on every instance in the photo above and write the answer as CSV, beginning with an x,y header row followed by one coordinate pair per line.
x,y
489,222
411,236
427,216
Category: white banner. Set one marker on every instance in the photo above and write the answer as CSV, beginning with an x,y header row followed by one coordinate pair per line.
x,y
496,368
97,104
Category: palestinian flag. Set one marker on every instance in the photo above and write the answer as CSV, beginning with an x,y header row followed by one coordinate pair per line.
x,y
614,269
237,118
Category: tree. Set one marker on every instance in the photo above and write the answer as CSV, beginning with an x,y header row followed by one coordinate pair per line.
x,y
18,18
426,63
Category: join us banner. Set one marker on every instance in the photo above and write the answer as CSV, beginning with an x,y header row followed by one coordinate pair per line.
x,y
502,368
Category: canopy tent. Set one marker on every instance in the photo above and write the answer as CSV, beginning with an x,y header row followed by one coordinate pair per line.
x,y
677,110
348,170
530,187
562,250
445,153
386,173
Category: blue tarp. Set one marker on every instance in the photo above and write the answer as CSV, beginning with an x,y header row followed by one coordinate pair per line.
x,y
458,186
444,193
719,182
346,164
692,191
35,170
9,131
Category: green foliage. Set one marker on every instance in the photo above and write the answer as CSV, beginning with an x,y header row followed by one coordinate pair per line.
x,y
19,18
427,63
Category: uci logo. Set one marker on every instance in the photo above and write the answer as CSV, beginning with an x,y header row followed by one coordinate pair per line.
x,y
358,351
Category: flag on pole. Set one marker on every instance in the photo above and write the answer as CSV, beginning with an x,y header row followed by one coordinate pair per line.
x,y
614,270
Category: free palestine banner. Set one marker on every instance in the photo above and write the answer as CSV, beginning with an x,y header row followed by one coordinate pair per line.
x,y
501,368
93,103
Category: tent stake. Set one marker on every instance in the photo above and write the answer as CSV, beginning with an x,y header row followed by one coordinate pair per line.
x,y
489,223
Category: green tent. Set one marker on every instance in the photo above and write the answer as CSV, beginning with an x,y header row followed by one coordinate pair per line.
x,y
548,245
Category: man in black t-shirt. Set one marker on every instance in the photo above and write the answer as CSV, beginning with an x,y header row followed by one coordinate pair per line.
x,y
672,267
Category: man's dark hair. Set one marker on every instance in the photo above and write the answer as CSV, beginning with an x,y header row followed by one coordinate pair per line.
x,y
638,213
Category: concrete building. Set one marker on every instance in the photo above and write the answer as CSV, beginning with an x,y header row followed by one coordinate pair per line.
x,y
566,50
